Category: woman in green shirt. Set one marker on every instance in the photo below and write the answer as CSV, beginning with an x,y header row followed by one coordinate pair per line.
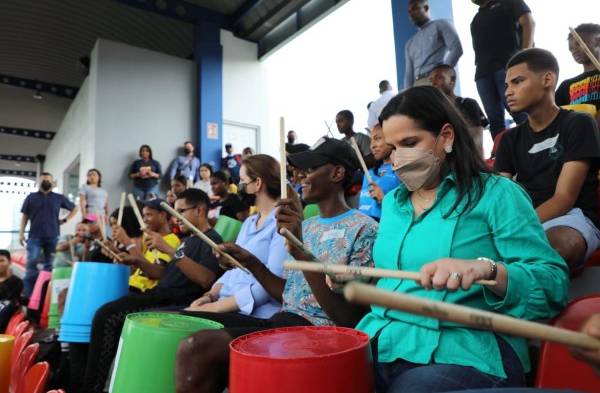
x,y
455,222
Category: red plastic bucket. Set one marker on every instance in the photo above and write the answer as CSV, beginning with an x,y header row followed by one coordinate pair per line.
x,y
301,359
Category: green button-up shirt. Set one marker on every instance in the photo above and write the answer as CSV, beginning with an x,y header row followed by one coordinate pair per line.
x,y
502,226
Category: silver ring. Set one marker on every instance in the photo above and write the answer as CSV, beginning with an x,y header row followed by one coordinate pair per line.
x,y
455,276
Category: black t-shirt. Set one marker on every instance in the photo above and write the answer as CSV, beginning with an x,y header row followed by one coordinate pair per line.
x,y
230,206
583,89
145,184
10,289
496,34
537,158
472,112
197,250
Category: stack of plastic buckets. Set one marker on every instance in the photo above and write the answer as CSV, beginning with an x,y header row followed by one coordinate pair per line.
x,y
6,346
301,359
145,360
92,285
61,277
36,296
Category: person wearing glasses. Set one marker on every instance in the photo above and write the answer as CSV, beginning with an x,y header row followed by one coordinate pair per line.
x,y
192,272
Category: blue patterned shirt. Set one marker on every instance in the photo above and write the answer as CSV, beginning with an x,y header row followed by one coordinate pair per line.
x,y
346,239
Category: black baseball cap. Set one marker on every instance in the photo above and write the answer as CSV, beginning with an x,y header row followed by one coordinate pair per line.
x,y
326,151
155,204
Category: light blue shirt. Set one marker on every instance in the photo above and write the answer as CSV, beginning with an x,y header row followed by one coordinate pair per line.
x,y
186,166
269,247
435,43
387,180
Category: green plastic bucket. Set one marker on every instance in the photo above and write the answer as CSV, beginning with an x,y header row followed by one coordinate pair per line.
x,y
61,277
145,360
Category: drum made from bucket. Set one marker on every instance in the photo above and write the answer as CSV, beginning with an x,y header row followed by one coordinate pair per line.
x,y
61,277
93,284
301,359
145,360
6,347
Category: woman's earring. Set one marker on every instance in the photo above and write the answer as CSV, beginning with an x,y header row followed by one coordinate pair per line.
x,y
448,149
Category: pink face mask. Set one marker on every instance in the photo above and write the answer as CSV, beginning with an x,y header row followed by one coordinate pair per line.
x,y
415,166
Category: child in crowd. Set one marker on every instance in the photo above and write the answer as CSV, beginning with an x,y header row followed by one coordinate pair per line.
x,y
178,185
340,235
72,248
383,177
10,285
224,202
554,156
203,183
585,87
157,224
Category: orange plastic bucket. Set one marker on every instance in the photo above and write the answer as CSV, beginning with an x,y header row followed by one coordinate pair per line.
x,y
6,347
301,359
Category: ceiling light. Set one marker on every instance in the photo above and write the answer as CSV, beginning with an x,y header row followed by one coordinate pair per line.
x,y
38,95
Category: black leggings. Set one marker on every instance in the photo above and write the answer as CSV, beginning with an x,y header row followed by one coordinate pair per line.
x,y
237,324
106,330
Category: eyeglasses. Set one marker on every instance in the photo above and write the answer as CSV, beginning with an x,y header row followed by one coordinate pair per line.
x,y
181,211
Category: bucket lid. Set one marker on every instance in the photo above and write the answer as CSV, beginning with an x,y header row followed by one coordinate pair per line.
x,y
171,322
300,342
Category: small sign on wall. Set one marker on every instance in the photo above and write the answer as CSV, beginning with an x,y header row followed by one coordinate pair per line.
x,y
212,131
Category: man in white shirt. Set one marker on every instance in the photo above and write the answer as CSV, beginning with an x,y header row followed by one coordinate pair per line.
x,y
385,89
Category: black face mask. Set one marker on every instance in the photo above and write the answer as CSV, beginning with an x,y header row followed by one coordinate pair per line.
x,y
46,185
249,199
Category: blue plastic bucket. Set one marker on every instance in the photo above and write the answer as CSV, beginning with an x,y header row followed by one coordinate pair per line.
x,y
92,285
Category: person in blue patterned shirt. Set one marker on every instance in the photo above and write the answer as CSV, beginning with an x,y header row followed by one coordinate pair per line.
x,y
338,235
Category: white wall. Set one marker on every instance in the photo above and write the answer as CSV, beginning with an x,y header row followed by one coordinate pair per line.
x,y
141,97
245,91
71,139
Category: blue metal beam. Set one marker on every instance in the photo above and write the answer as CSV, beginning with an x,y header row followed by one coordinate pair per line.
x,y
27,132
181,11
18,158
43,87
209,57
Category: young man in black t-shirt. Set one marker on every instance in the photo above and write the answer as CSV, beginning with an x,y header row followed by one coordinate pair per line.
x,y
585,87
499,29
192,272
554,156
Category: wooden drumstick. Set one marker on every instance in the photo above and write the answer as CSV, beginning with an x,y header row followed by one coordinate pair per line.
x,y
472,317
136,211
121,207
585,48
108,250
202,236
361,159
282,159
331,268
296,243
102,226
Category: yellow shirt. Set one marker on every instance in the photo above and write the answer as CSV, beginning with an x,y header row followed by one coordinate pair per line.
x,y
138,279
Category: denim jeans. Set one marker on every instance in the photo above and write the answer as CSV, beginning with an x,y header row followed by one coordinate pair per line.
x,y
35,246
491,91
142,195
406,377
